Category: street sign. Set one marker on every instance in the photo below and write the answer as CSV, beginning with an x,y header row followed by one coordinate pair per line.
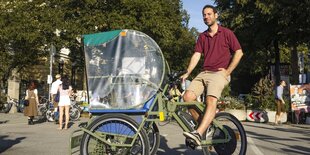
x,y
257,116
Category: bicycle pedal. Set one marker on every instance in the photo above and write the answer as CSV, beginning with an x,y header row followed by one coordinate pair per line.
x,y
210,148
190,143
83,125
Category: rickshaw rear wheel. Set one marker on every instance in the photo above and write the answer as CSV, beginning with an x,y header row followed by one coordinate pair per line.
x,y
154,138
116,127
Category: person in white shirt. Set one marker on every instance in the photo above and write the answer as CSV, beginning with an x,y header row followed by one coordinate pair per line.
x,y
54,90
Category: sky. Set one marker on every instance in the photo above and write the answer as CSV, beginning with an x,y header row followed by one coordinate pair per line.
x,y
193,8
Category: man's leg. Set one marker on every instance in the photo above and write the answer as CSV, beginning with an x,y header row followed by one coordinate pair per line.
x,y
277,112
209,115
280,117
281,112
55,104
276,119
214,83
206,120
194,90
189,96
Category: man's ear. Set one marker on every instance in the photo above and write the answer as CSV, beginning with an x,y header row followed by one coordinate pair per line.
x,y
216,15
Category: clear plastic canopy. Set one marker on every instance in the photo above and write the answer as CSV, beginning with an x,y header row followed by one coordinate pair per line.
x,y
125,68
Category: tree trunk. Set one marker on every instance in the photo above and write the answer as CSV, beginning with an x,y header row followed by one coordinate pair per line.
x,y
294,65
277,60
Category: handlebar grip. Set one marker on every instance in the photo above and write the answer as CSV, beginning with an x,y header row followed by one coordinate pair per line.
x,y
176,74
182,72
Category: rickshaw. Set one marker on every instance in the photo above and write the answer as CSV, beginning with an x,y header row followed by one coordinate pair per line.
x,y
128,81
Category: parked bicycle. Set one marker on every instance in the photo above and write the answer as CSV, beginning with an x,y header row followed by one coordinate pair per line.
x,y
134,98
6,106
42,107
74,112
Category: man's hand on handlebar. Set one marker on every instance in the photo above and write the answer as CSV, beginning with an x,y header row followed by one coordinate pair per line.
x,y
184,76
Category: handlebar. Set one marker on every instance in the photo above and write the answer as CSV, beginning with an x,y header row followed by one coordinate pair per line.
x,y
12,99
174,76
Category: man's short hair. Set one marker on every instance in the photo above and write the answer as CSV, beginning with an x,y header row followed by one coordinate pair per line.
x,y
211,7
58,76
281,81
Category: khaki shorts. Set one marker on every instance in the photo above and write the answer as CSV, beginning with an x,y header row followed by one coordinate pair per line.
x,y
279,106
214,82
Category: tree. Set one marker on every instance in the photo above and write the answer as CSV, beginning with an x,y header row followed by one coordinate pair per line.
x,y
29,27
264,26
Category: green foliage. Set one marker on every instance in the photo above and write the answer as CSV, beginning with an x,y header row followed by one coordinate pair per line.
x,y
28,28
2,98
258,24
262,95
226,91
229,102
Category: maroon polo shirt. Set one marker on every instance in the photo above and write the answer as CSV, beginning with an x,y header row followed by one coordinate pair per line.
x,y
217,50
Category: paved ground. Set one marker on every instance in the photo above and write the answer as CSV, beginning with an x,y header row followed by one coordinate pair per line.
x,y
18,138
286,139
43,138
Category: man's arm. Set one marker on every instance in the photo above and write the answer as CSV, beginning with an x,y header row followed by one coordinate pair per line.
x,y
235,61
192,64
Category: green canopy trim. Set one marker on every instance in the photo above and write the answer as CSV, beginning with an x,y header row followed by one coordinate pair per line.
x,y
100,38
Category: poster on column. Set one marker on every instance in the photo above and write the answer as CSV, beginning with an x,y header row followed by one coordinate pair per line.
x,y
300,97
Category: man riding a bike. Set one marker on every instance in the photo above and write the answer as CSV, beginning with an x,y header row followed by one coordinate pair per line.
x,y
217,44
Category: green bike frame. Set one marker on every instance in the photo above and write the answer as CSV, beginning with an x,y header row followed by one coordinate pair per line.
x,y
160,108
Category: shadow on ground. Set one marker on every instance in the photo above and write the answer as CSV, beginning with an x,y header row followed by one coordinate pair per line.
x,y
3,122
164,149
8,143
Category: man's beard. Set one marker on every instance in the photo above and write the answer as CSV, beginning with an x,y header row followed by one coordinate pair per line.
x,y
212,23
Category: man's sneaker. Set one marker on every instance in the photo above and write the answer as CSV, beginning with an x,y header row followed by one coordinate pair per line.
x,y
194,135
210,132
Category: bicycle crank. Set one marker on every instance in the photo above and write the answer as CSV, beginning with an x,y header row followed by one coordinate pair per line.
x,y
190,143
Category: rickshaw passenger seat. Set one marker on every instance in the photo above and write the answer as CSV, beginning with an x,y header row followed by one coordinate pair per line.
x,y
141,111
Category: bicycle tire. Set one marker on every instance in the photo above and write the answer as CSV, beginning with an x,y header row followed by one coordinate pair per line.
x,y
154,138
74,114
238,143
7,107
49,116
116,124
42,112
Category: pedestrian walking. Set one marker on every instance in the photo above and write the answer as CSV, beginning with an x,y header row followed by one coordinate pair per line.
x,y
280,104
32,96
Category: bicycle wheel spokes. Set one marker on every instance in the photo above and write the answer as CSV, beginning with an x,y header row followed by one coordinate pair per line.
x,y
116,133
74,114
